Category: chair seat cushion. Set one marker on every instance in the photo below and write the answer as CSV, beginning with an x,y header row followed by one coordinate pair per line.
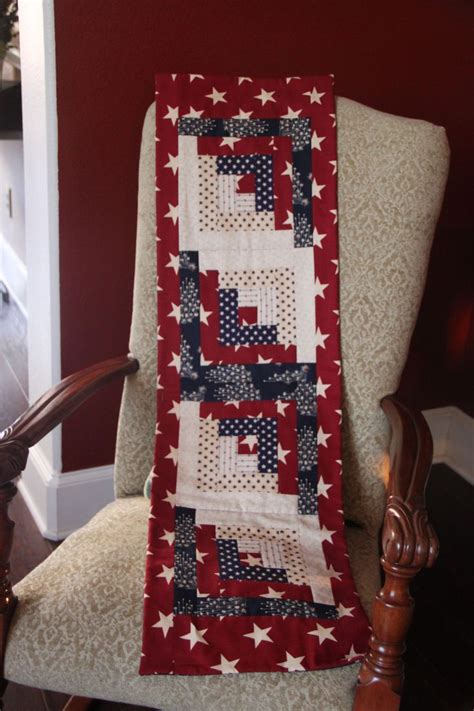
x,y
78,626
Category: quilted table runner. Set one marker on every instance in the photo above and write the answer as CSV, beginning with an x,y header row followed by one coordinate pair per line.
x,y
247,568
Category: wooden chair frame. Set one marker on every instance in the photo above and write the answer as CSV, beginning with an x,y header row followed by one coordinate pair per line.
x,y
409,542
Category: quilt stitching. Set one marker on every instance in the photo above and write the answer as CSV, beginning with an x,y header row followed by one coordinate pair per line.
x,y
246,544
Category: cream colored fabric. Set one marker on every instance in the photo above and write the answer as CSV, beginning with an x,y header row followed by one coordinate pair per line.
x,y
78,628
392,173
136,425
391,183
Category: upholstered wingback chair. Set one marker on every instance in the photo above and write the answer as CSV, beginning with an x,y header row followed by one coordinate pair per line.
x,y
77,625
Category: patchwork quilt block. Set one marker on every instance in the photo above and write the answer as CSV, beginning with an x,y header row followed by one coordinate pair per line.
x,y
246,540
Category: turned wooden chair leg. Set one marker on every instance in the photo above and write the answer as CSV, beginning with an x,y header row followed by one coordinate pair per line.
x,y
381,676
78,703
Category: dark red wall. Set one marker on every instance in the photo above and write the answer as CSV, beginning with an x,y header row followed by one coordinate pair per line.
x,y
410,58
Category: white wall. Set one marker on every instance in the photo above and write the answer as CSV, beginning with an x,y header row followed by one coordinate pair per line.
x,y
11,177
41,204
12,227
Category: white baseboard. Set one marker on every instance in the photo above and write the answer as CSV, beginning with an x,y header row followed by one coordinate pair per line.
x,y
14,273
453,439
60,503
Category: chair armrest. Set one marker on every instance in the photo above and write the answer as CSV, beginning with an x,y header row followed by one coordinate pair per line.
x,y
39,419
409,543
52,408
408,539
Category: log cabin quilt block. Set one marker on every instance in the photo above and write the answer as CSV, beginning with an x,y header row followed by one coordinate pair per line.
x,y
247,569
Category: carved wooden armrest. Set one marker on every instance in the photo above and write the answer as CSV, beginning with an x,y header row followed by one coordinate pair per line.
x,y
39,419
52,408
409,544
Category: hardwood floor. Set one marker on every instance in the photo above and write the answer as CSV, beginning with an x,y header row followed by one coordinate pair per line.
x,y
441,641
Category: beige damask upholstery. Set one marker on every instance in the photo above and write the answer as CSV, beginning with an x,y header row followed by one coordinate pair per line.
x,y
392,173
78,625
79,628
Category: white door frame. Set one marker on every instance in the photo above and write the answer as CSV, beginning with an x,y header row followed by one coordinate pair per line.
x,y
40,140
